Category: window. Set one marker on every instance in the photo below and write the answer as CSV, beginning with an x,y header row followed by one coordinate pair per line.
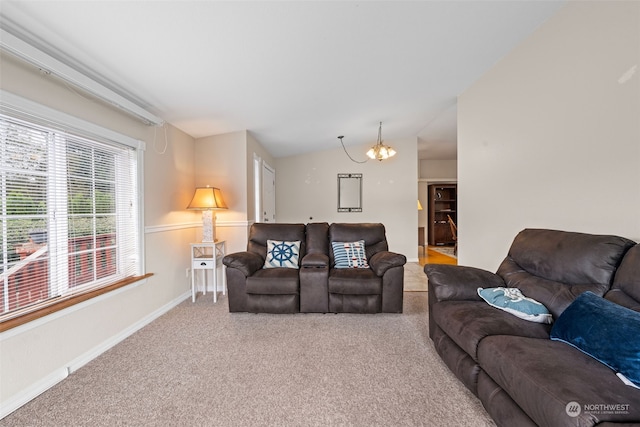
x,y
69,217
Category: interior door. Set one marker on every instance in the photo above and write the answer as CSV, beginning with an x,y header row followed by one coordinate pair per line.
x,y
268,193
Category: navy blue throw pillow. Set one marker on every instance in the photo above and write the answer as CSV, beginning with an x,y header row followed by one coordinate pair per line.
x,y
608,332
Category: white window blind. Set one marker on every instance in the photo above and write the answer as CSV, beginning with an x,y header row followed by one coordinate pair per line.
x,y
69,214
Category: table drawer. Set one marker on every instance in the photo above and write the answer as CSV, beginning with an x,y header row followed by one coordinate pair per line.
x,y
202,263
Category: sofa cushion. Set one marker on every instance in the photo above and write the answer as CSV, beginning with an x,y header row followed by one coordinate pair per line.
x,y
468,322
354,282
554,267
627,277
543,377
569,257
556,296
282,253
605,331
513,302
373,234
260,232
317,235
273,281
349,254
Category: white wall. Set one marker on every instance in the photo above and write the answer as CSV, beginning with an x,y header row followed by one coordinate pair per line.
x,y
221,162
550,137
439,170
37,355
254,147
226,161
307,191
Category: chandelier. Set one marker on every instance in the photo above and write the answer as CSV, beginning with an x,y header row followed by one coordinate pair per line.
x,y
378,152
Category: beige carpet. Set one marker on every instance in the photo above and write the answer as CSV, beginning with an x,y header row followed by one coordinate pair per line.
x,y
414,278
200,365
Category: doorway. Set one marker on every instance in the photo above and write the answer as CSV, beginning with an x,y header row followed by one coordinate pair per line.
x,y
268,193
431,250
264,190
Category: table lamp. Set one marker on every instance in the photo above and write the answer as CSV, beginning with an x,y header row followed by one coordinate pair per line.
x,y
207,199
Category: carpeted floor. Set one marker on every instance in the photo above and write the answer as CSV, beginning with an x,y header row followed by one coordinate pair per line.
x,y
414,278
200,365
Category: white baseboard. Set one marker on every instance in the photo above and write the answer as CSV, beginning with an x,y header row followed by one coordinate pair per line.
x,y
36,389
31,392
79,362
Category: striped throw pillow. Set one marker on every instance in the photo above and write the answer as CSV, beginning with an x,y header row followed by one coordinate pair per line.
x,y
350,254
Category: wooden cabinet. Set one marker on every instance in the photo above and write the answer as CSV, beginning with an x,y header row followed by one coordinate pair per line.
x,y
443,203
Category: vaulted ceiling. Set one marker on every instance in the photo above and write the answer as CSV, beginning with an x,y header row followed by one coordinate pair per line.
x,y
296,74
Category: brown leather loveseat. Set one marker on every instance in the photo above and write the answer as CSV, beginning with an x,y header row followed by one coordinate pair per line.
x,y
299,272
522,374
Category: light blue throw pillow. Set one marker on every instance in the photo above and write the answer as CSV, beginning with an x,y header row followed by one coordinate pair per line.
x,y
513,301
608,332
282,254
350,254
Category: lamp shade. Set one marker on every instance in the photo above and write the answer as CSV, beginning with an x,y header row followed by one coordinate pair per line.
x,y
207,198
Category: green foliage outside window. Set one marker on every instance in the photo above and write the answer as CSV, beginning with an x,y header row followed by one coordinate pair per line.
x,y
29,216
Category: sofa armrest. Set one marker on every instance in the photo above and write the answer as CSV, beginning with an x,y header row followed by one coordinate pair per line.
x,y
621,298
247,262
384,260
455,282
315,261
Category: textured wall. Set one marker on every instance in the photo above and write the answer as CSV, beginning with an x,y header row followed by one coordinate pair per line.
x,y
307,187
550,137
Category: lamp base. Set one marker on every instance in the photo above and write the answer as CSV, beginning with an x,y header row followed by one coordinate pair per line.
x,y
208,227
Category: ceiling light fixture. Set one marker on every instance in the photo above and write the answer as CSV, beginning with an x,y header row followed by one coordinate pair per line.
x,y
378,152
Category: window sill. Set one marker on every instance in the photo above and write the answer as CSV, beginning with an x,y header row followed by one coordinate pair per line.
x,y
65,302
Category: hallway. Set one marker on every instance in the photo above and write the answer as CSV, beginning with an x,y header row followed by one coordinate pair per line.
x,y
433,257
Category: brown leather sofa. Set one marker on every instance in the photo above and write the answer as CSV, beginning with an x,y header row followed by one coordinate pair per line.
x,y
316,286
522,377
